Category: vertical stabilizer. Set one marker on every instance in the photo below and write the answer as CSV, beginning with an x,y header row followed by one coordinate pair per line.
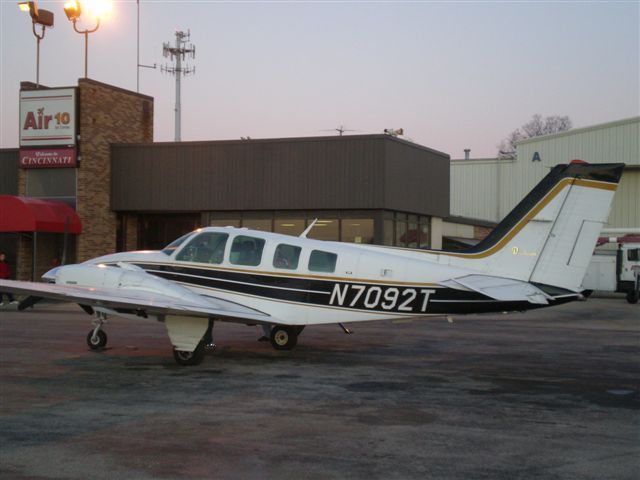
x,y
550,235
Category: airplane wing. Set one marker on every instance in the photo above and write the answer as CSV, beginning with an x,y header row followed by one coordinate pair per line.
x,y
499,288
141,302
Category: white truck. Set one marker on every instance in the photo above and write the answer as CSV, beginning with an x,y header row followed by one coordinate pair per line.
x,y
615,271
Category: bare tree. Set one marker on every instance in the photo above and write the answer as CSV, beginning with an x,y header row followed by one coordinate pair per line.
x,y
535,127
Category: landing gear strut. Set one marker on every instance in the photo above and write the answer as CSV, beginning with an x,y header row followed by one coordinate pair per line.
x,y
97,338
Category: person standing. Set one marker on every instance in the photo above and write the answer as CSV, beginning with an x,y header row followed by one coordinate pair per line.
x,y
5,274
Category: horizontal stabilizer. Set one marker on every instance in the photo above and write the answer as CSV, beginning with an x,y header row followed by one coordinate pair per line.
x,y
499,288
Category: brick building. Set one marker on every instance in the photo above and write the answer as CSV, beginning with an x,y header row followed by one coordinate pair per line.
x,y
105,115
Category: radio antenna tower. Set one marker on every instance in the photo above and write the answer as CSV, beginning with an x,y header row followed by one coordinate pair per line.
x,y
180,52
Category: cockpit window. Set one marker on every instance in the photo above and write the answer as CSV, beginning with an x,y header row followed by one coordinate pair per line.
x,y
169,249
208,247
246,251
320,261
286,256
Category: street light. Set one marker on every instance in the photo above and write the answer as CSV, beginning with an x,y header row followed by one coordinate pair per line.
x,y
44,18
73,10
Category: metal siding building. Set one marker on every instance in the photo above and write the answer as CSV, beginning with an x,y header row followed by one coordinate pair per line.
x,y
382,180
489,188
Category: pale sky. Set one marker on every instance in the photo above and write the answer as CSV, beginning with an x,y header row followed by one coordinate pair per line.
x,y
453,75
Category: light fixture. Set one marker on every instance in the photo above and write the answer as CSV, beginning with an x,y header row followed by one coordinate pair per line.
x,y
73,10
41,17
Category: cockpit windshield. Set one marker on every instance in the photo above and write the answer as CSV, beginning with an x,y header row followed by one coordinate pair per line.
x,y
169,249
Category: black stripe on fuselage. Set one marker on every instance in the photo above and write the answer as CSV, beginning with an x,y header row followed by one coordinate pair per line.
x,y
409,300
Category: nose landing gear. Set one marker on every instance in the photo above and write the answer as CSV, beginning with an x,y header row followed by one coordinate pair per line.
x,y
97,338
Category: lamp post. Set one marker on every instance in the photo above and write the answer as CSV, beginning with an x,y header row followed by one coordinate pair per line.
x,y
42,17
73,10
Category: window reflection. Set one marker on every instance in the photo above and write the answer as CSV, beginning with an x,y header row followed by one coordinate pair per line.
x,y
388,232
206,247
322,261
246,250
286,256
425,239
263,224
289,226
401,233
325,229
357,230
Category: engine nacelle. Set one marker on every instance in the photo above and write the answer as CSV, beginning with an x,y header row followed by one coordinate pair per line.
x,y
128,277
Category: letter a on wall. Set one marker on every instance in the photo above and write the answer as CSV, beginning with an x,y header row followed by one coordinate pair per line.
x,y
536,157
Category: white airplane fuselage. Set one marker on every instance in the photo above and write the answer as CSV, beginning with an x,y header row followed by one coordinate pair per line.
x,y
367,283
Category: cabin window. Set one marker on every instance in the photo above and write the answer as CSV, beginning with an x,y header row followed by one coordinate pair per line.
x,y
287,257
208,247
246,251
322,261
173,246
633,255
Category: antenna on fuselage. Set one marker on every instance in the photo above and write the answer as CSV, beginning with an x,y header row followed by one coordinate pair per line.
x,y
304,234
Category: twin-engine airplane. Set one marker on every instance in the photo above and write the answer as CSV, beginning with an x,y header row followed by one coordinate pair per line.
x,y
536,257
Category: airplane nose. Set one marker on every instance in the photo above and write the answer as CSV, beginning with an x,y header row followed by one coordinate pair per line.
x,y
50,276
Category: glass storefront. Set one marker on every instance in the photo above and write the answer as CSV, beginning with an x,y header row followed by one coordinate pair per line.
x,y
353,226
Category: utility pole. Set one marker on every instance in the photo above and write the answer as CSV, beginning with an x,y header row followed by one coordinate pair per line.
x,y
179,53
140,65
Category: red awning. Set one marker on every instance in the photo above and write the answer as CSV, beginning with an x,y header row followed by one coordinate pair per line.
x,y
24,214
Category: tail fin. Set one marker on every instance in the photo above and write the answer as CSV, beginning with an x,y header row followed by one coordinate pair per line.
x,y
550,235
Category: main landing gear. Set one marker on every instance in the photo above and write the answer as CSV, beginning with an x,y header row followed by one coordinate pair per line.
x,y
97,338
285,337
183,357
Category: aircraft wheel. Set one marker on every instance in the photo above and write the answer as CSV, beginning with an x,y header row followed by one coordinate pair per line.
x,y
632,297
97,342
284,337
183,357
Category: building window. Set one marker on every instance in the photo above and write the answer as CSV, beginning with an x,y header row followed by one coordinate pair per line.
x,y
322,261
246,251
207,247
412,231
401,229
157,230
225,222
357,230
262,224
287,257
424,240
325,229
54,183
288,226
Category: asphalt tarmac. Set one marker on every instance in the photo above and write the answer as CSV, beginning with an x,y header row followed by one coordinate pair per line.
x,y
548,394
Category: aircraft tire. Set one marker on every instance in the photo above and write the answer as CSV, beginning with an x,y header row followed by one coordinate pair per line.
x,y
99,342
632,297
183,357
284,337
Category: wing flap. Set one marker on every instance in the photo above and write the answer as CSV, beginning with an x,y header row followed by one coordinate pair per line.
x,y
499,288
